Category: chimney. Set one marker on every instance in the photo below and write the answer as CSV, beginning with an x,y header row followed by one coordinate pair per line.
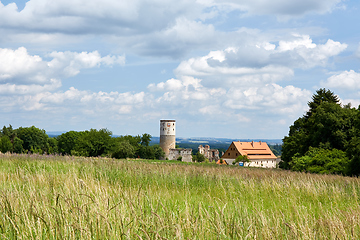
x,y
252,143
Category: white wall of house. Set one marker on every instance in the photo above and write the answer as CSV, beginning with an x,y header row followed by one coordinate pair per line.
x,y
264,163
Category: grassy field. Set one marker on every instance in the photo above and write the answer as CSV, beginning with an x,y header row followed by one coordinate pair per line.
x,y
52,197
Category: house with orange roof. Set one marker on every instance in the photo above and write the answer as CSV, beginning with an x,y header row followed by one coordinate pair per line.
x,y
258,153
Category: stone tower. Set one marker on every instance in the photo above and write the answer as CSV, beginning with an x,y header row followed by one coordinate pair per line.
x,y
167,135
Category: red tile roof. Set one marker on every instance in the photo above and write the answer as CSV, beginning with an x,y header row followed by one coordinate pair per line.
x,y
254,150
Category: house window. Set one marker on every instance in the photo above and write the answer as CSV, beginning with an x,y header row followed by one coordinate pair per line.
x,y
236,154
228,154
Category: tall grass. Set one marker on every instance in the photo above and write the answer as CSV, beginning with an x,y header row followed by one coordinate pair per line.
x,y
94,198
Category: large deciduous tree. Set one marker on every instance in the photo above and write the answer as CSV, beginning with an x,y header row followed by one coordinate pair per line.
x,y
34,139
66,142
327,125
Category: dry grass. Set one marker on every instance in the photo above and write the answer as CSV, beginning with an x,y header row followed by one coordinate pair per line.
x,y
77,198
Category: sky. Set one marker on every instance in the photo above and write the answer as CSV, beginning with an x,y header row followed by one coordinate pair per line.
x,y
240,69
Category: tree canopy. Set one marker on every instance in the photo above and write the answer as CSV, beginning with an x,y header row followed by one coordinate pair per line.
x,y
89,143
324,129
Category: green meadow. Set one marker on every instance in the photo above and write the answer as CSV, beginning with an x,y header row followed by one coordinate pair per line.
x,y
55,197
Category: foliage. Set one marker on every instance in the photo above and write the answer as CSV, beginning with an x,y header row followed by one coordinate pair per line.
x,y
67,141
9,132
327,125
141,146
34,139
123,149
276,149
53,145
319,160
89,143
179,158
5,144
18,145
241,158
198,157
322,95
94,143
145,139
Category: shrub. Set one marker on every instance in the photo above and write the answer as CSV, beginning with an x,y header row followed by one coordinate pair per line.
x,y
241,158
318,160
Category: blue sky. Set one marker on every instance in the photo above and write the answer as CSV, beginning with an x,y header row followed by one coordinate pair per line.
x,y
232,69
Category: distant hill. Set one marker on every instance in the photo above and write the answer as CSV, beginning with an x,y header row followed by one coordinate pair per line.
x,y
195,140
209,141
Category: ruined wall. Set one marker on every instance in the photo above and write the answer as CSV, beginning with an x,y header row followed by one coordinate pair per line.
x,y
211,154
186,154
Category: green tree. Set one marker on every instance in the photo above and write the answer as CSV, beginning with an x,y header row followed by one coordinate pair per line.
x,y
18,145
67,141
241,158
353,147
135,141
123,149
34,139
326,125
198,157
94,143
319,160
145,139
5,144
9,132
53,145
159,152
322,95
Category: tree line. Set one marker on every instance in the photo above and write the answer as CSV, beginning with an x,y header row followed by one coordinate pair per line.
x,y
89,143
326,139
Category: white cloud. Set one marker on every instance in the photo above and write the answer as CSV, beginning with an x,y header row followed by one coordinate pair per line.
x,y
349,80
353,102
174,40
76,101
19,65
14,89
287,100
259,63
111,16
156,28
69,64
24,73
